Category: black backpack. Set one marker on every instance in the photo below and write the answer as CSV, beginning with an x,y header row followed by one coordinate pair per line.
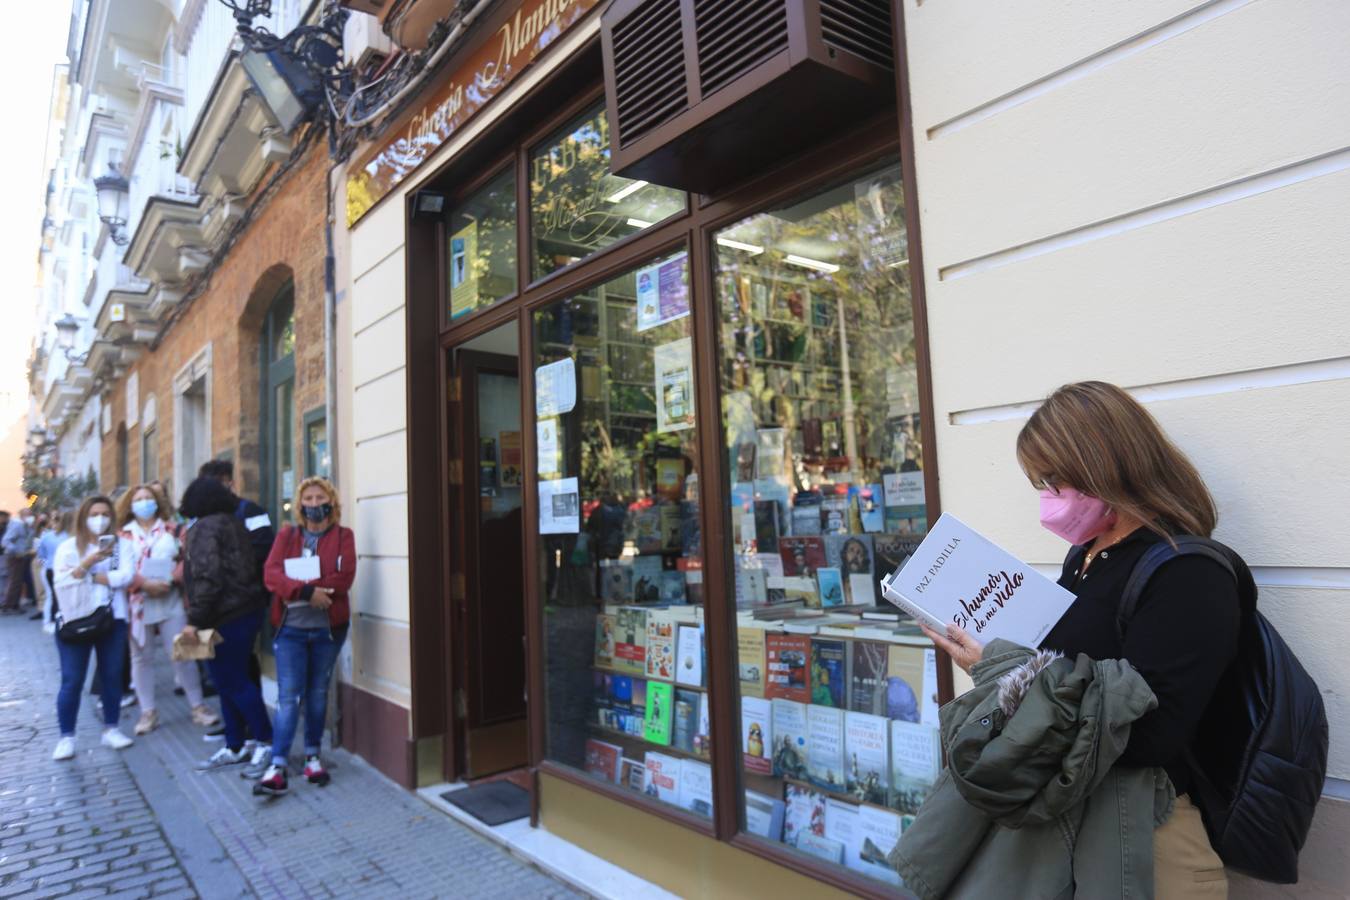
x,y
1259,757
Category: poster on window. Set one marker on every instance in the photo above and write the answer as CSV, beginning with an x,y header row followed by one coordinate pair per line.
x,y
555,388
880,202
463,276
663,292
559,506
546,442
674,365
510,450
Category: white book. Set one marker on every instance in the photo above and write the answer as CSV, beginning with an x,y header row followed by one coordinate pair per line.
x,y
877,832
825,746
958,575
757,735
661,777
764,815
695,788
841,824
867,763
916,762
689,656
789,739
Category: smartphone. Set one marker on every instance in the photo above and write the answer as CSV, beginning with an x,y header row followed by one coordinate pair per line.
x,y
106,541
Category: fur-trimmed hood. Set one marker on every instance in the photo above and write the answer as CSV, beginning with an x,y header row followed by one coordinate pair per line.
x,y
1013,686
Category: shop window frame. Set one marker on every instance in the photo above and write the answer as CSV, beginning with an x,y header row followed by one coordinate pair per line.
x,y
886,135
489,173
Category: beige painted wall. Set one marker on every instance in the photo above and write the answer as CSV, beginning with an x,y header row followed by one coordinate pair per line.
x,y
1151,193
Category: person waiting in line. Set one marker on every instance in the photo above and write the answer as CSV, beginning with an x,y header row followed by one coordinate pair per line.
x,y
91,572
18,544
155,604
311,610
1113,485
224,593
57,533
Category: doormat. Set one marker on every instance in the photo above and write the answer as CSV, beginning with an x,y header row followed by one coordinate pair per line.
x,y
492,803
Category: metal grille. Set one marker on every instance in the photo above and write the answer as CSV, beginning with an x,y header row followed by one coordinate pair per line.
x,y
649,77
734,36
859,27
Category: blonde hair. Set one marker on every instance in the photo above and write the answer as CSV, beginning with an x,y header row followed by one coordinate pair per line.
x,y
328,488
84,539
1094,437
123,515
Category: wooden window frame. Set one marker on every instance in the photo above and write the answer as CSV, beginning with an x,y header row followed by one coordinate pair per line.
x,y
886,135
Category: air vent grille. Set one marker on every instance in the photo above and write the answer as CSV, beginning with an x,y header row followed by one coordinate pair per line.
x,y
649,77
860,27
734,36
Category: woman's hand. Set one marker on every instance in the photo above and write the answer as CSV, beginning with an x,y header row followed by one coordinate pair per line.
x,y
964,650
100,578
190,635
322,598
155,588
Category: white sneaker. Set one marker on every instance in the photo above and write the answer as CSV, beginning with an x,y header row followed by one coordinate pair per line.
x,y
259,762
225,757
65,749
115,740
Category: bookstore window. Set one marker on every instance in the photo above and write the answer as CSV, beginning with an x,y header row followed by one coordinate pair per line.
x,y
820,405
619,534
577,206
482,247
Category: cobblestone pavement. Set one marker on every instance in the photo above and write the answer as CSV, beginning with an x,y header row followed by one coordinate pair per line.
x,y
144,823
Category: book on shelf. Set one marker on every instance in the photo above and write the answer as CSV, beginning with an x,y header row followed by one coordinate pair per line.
x,y
671,587
890,551
876,831
800,627
630,640
867,760
646,579
804,814
702,734
789,658
821,847
604,640
825,746
632,774
757,735
841,824
656,725
616,581
662,776
958,575
789,739
802,555
851,553
689,656
805,518
829,672
801,589
603,758
685,719
695,788
750,661
766,526
834,514
764,815
660,645
916,762
881,615
752,587
830,584
905,683
672,526
647,532
872,508
774,490
867,677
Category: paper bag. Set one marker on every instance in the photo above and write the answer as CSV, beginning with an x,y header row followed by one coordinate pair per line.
x,y
205,648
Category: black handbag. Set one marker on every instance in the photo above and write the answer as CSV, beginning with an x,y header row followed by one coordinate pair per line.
x,y
88,629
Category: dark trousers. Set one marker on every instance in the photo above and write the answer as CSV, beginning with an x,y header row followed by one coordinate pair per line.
x,y
75,662
241,702
19,578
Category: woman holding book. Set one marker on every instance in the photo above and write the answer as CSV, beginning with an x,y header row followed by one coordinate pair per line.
x,y
309,572
155,602
1113,485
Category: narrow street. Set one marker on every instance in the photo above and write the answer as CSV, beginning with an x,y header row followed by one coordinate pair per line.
x,y
145,823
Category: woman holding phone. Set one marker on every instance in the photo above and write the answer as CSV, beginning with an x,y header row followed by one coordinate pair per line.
x,y
309,572
155,603
1113,485
91,571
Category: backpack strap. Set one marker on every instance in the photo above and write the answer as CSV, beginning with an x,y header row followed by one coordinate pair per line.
x,y
1154,558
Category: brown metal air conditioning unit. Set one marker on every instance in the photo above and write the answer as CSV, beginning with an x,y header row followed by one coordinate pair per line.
x,y
702,93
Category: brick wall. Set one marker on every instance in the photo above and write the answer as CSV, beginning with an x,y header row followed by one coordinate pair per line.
x,y
285,241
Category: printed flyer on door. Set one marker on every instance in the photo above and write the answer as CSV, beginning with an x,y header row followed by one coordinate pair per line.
x,y
663,292
674,364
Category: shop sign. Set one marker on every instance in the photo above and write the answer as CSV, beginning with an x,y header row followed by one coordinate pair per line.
x,y
523,36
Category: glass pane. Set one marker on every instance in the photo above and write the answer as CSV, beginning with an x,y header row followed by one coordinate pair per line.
x,y
483,247
316,448
576,206
620,537
149,456
283,443
821,414
283,325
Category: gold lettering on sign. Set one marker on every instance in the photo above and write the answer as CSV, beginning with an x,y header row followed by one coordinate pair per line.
x,y
532,28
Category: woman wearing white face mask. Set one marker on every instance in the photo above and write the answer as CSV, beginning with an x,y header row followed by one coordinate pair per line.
x,y
154,601
1113,486
91,573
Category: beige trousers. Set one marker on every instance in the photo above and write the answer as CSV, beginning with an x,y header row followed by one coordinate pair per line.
x,y
1184,863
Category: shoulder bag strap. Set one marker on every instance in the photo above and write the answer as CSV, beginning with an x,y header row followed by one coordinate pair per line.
x,y
1153,560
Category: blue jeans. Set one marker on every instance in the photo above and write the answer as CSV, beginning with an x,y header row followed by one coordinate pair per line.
x,y
111,650
305,660
240,700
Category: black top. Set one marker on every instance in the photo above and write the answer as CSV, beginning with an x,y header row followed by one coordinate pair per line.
x,y
1181,638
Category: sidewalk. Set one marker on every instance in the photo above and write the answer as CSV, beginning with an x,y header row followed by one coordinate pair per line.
x,y
144,823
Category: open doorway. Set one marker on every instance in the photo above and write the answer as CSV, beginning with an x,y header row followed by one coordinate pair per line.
x,y
487,555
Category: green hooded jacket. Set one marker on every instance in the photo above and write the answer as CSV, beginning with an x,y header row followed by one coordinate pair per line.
x,y
1031,805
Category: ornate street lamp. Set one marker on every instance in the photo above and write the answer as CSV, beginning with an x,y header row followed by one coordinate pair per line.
x,y
67,327
113,191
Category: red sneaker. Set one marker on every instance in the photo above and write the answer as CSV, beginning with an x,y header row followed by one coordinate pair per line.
x,y
315,772
273,782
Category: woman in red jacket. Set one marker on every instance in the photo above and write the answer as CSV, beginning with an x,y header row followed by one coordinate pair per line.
x,y
309,572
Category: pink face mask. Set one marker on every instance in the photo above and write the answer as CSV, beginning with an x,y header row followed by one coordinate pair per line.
x,y
1075,516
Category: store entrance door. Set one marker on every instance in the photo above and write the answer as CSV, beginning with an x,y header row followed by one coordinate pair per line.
x,y
488,624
